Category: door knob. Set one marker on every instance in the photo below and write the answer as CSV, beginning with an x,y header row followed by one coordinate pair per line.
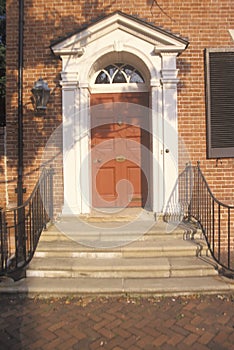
x,y
167,150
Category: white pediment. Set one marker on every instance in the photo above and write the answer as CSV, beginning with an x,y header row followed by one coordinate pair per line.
x,y
161,40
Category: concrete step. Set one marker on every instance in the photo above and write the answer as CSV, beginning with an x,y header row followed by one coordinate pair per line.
x,y
140,229
120,267
115,234
51,287
141,249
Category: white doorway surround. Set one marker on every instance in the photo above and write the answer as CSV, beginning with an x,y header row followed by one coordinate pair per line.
x,y
153,51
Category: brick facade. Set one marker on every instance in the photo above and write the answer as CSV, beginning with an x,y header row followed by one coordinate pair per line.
x,y
204,23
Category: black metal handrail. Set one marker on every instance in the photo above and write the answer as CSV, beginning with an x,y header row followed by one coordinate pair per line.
x,y
193,199
21,227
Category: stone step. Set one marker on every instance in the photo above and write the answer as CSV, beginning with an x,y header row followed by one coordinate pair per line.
x,y
121,233
52,287
141,249
120,267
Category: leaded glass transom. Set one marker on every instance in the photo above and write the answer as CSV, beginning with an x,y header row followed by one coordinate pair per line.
x,y
119,73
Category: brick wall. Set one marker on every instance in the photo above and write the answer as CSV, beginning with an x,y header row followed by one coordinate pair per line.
x,y
204,23
2,169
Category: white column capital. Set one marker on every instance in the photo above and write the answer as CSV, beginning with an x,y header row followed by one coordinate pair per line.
x,y
168,61
169,72
69,80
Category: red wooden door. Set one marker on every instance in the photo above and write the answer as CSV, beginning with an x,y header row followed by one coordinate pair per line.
x,y
118,123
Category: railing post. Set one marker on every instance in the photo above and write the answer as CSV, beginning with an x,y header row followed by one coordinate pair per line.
x,y
4,240
20,234
51,193
229,239
44,189
2,246
198,191
188,191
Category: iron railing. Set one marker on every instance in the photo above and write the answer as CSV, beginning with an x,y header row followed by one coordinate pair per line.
x,y
192,199
21,227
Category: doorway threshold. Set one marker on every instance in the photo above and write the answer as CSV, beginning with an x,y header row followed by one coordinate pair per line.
x,y
118,215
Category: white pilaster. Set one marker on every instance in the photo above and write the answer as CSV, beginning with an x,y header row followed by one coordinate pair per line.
x,y
157,147
70,147
84,166
170,119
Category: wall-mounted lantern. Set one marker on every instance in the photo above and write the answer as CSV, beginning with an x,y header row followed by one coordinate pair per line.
x,y
41,93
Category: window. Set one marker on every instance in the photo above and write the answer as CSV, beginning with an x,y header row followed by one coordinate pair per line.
x,y
220,102
119,73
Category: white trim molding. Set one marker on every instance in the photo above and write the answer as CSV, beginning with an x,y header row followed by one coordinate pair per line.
x,y
118,38
231,31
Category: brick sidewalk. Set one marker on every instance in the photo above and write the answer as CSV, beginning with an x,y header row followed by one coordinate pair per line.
x,y
195,322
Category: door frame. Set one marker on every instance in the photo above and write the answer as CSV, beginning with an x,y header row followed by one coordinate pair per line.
x,y
121,38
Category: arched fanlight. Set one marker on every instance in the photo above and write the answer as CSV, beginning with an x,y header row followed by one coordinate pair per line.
x,y
119,73
41,93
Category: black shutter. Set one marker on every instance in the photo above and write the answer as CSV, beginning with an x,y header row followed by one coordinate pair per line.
x,y
220,102
2,111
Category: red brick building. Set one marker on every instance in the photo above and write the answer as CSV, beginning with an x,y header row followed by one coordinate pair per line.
x,y
150,52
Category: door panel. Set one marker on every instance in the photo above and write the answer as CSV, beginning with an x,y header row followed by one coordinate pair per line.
x,y
134,177
116,139
105,181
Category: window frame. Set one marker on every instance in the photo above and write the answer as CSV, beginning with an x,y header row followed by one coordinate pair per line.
x,y
214,152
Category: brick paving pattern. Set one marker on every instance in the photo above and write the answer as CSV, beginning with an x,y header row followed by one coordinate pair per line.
x,y
117,323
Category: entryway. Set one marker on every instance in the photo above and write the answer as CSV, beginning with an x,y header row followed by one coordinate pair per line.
x,y
109,56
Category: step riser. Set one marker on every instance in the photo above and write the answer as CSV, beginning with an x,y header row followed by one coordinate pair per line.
x,y
97,274
122,274
63,287
89,255
108,237
108,255
192,273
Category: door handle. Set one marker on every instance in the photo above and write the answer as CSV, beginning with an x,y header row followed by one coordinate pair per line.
x,y
120,158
